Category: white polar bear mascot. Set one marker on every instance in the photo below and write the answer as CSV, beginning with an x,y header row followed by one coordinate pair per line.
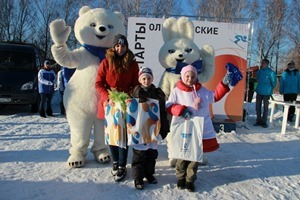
x,y
95,29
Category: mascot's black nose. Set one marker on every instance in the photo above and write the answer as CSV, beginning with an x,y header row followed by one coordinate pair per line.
x,y
102,28
180,55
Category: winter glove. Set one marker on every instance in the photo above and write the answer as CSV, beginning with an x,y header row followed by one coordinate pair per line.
x,y
186,114
142,96
50,83
233,75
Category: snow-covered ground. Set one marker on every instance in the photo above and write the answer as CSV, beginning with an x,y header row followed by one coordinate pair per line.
x,y
252,163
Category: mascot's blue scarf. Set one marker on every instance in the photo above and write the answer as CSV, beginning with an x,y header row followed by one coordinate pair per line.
x,y
176,70
96,51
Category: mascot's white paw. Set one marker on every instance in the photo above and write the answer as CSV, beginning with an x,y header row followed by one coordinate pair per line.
x,y
172,162
102,156
207,50
76,161
59,31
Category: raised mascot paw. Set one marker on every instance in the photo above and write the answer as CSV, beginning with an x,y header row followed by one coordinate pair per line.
x,y
207,50
76,161
102,157
59,32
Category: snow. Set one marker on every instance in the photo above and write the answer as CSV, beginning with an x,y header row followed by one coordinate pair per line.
x,y
252,163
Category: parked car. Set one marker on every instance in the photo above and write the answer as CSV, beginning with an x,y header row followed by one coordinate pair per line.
x,y
19,66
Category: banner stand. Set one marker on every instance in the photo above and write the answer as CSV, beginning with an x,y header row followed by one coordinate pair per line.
x,y
246,106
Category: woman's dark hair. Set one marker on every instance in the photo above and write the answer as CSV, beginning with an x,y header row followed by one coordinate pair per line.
x,y
119,63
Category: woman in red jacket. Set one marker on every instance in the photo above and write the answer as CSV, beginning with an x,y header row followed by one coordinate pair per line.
x,y
118,71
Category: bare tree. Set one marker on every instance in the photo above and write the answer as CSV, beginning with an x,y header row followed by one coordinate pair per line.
x,y
47,12
292,31
165,8
23,21
6,16
219,10
270,28
153,8
16,20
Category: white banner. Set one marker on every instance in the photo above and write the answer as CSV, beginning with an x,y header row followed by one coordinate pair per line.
x,y
230,41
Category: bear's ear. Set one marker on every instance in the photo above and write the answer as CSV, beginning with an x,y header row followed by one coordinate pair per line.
x,y
120,16
181,28
83,10
185,28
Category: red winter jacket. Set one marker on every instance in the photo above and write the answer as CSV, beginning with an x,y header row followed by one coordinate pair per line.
x,y
108,79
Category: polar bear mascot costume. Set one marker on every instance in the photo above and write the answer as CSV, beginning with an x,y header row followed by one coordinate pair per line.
x,y
180,50
95,30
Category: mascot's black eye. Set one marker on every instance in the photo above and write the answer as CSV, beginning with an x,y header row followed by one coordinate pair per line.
x,y
171,51
188,50
110,26
93,25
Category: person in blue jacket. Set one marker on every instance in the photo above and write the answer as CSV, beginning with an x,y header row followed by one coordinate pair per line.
x,y
290,86
266,82
46,80
63,77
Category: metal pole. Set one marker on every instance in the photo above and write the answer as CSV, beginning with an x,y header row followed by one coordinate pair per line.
x,y
251,30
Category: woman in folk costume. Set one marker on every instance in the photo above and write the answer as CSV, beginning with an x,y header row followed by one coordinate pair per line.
x,y
190,98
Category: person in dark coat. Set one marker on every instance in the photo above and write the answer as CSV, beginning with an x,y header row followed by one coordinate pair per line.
x,y
145,155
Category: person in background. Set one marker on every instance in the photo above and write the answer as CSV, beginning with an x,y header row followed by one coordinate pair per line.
x,y
63,77
46,81
290,86
145,155
118,71
266,82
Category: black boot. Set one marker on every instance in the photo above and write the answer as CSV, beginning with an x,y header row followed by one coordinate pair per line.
x,y
181,183
122,171
190,186
42,113
139,184
151,179
49,112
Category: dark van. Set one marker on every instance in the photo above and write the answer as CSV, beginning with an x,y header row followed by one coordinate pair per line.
x,y
19,66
